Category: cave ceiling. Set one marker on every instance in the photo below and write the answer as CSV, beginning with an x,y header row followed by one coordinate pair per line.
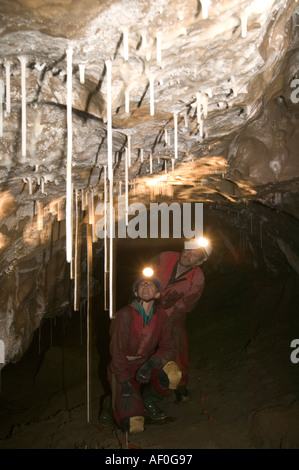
x,y
204,104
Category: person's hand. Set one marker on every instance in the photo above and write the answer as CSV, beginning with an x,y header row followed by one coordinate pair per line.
x,y
144,372
126,394
170,300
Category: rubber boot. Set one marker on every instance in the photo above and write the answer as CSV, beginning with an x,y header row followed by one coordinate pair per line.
x,y
106,414
181,393
150,400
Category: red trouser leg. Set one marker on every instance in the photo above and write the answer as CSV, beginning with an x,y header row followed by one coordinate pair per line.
x,y
135,407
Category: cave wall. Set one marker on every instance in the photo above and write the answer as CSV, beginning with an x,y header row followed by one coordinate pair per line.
x,y
227,73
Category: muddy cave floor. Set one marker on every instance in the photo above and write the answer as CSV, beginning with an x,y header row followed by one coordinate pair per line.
x,y
244,387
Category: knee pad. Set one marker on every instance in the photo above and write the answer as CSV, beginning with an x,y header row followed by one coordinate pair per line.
x,y
172,374
132,425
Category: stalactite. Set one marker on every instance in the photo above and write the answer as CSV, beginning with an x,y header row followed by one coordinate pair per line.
x,y
175,118
129,151
1,106
89,312
109,121
83,202
72,262
23,62
77,254
105,243
69,190
111,243
165,137
152,97
126,189
205,8
94,237
244,19
29,185
42,185
7,65
82,73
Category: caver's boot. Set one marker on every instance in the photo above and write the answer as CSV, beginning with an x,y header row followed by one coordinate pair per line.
x,y
182,393
106,414
150,400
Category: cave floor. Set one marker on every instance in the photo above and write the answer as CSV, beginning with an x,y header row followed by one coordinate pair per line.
x,y
244,387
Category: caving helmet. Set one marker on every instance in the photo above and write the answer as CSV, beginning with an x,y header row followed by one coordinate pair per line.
x,y
202,243
147,275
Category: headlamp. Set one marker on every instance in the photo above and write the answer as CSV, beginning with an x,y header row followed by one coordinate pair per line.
x,y
203,242
148,272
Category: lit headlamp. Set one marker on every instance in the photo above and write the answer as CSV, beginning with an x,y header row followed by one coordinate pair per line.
x,y
147,275
201,243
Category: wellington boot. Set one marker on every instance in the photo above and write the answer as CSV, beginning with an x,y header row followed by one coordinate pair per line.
x,y
106,414
182,394
150,400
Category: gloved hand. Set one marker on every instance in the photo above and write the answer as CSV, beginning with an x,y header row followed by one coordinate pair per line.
x,y
171,299
127,392
144,372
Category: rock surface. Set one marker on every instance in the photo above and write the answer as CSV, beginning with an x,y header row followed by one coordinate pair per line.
x,y
228,72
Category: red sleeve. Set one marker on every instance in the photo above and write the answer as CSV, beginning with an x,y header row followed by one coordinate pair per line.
x,y
119,340
186,302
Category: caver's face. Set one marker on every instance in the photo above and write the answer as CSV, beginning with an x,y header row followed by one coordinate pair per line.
x,y
146,290
190,258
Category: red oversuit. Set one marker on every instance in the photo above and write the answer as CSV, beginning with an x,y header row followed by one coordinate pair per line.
x,y
179,296
132,344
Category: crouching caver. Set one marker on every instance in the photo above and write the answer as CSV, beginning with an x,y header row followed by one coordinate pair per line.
x,y
142,368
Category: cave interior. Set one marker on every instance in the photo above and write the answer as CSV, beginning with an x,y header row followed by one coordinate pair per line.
x,y
185,103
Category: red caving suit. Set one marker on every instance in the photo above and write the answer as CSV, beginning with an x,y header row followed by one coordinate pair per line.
x,y
179,296
132,344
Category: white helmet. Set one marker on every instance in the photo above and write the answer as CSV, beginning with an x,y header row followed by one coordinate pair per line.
x,y
206,246
203,244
